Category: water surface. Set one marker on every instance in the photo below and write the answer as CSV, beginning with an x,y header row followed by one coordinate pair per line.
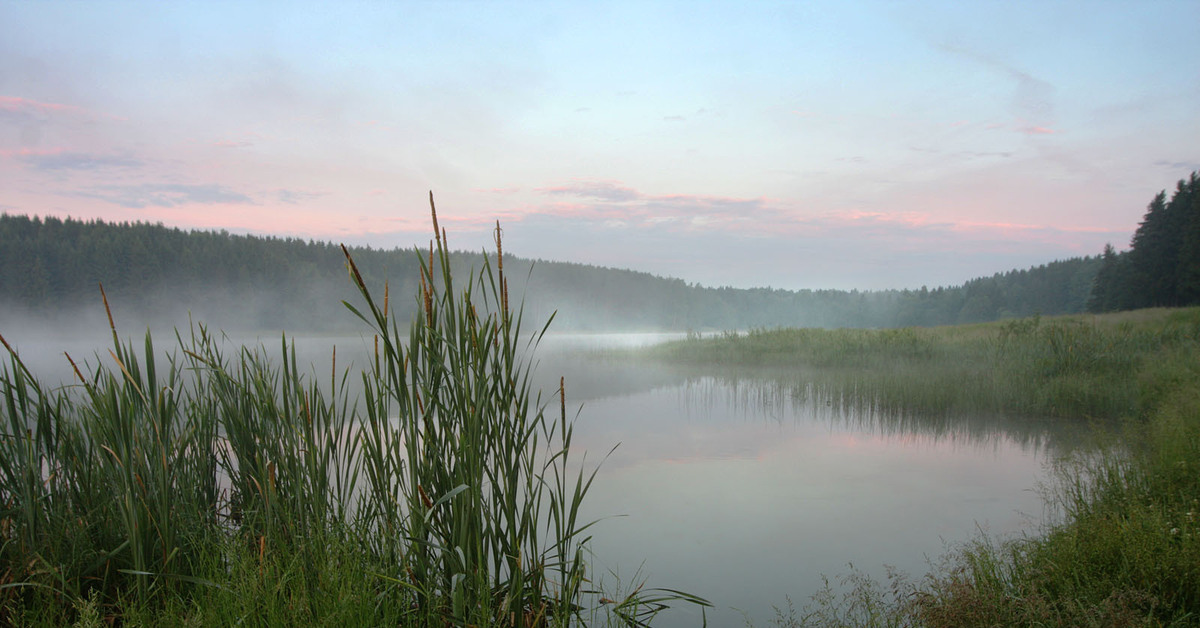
x,y
746,489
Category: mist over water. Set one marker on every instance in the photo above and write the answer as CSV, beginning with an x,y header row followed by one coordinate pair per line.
x,y
741,486
749,503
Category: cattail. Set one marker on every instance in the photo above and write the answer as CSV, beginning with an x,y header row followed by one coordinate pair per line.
x,y
500,268
349,262
424,498
433,212
108,311
76,368
428,302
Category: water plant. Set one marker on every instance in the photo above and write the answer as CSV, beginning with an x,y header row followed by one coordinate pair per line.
x,y
1124,549
434,487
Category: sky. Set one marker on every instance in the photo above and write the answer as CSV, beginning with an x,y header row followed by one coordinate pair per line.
x,y
847,145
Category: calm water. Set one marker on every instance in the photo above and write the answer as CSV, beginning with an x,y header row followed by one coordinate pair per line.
x,y
738,489
741,488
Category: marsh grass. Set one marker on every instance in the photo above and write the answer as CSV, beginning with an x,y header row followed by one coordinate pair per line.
x,y
1073,367
1124,548
436,487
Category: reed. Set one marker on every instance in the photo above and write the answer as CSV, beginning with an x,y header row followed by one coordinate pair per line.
x,y
1071,367
436,487
1124,546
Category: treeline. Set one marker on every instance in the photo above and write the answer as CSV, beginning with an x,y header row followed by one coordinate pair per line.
x,y
1162,266
262,283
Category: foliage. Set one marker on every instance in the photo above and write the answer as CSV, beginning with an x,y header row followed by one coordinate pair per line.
x,y
1125,547
195,489
49,264
1162,267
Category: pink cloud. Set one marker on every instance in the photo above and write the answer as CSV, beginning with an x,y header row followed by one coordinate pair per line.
x,y
603,190
1037,130
612,204
26,105
232,144
497,190
32,152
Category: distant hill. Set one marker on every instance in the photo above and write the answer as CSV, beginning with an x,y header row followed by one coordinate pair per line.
x,y
50,265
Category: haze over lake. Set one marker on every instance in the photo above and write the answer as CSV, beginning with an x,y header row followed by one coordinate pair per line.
x,y
745,486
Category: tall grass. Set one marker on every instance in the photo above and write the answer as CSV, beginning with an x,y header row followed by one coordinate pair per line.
x,y
1125,548
1071,367
435,487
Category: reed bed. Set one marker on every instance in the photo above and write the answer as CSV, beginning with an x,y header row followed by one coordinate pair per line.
x,y
435,487
1071,367
1124,549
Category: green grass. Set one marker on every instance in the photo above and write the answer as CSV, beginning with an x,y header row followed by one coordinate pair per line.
x,y
1125,548
1073,367
195,488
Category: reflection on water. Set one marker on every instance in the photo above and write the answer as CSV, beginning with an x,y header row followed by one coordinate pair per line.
x,y
746,490
744,487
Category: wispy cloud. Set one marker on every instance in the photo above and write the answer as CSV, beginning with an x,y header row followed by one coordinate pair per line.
x,y
166,195
61,161
18,108
601,190
233,144
294,197
1032,99
27,107
1178,165
611,204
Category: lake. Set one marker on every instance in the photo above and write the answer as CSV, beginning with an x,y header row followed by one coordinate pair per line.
x,y
745,486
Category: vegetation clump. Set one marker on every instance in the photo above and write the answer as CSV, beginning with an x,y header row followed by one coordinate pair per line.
x,y
201,489
1124,549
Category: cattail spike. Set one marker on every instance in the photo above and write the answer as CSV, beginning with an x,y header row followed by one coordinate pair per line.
x,y
433,212
499,249
108,311
76,368
500,268
353,269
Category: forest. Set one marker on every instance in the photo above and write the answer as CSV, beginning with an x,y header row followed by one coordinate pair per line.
x,y
1162,266
51,265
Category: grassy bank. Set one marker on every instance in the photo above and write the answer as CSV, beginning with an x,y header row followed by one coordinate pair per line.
x,y
198,488
1126,549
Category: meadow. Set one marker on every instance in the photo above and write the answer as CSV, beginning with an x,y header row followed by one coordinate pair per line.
x,y
1124,546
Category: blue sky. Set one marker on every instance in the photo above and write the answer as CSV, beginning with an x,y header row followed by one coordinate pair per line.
x,y
795,145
